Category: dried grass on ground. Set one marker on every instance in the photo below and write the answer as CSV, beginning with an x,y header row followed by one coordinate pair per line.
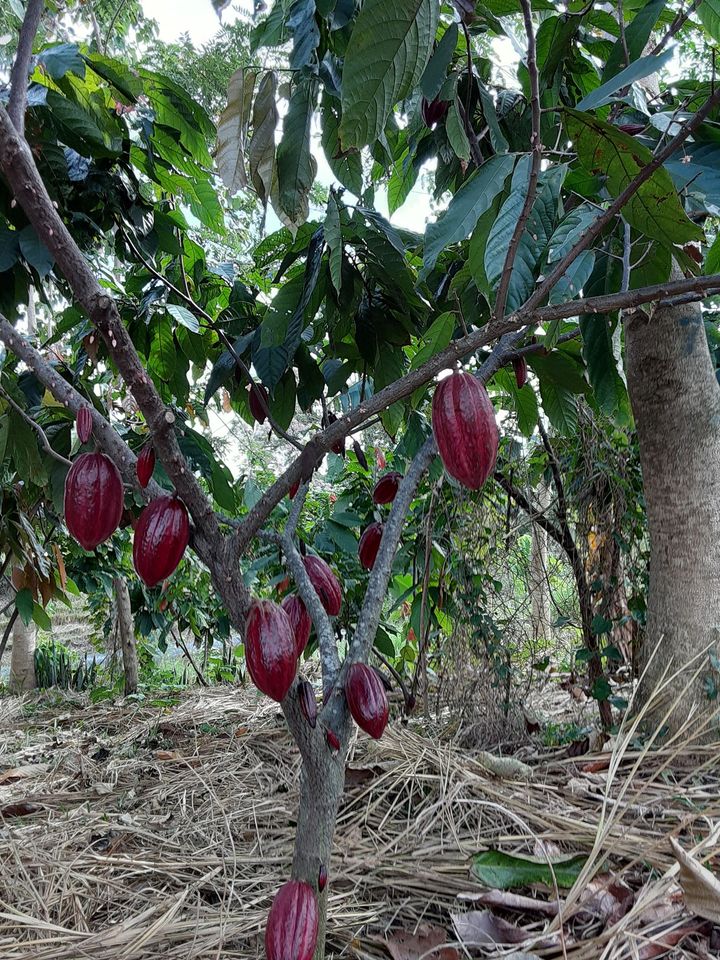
x,y
164,833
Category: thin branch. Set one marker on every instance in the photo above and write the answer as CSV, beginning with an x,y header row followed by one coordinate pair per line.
x,y
557,477
8,630
537,516
112,23
675,27
536,148
44,442
183,646
17,103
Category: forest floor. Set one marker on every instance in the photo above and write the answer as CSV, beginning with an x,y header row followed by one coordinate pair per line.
x,y
148,830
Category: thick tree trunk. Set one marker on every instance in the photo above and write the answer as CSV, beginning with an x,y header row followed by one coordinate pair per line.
x,y
126,633
539,590
676,404
22,656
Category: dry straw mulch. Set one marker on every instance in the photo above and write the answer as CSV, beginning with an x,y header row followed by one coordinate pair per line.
x,y
133,832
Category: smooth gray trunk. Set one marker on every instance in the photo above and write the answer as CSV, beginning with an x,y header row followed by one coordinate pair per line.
x,y
126,633
22,654
676,404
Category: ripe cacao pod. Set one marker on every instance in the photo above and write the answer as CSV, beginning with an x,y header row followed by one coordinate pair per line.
x,y
292,927
270,649
259,402
322,877
433,111
370,544
631,128
300,621
308,703
325,583
84,424
332,739
520,368
387,487
93,499
367,699
463,422
161,536
145,465
294,489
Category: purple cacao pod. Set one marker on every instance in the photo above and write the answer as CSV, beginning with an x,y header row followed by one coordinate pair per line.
x,y
322,877
294,489
463,422
332,739
145,465
367,699
387,487
308,703
300,621
161,536
370,544
433,111
259,402
325,583
84,423
93,499
292,927
520,368
270,649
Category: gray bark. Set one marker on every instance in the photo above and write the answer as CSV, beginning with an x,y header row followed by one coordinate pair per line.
x,y
676,404
126,633
22,654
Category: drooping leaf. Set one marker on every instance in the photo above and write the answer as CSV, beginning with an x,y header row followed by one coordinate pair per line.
x,y
437,337
709,14
182,315
60,58
35,251
472,200
574,279
388,50
162,351
295,165
347,168
403,175
560,406
455,130
333,236
282,402
261,151
233,129
436,70
24,605
601,363
644,67
637,34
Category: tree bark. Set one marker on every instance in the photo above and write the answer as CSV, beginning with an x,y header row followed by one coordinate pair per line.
x,y
22,654
126,632
676,404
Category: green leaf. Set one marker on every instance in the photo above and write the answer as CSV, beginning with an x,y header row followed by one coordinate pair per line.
x,y
497,138
601,689
436,339
637,35
346,168
233,128
712,260
574,279
61,58
455,130
383,642
501,871
644,67
302,24
436,70
162,351
709,13
473,198
342,537
24,605
261,151
9,248
554,43
601,363
35,251
389,48
333,236
295,165
403,175
225,365
655,209
118,74
182,315
570,230
41,618
282,402
560,407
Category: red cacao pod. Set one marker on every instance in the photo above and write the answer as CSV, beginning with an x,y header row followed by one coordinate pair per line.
x,y
161,536
463,422
387,487
259,402
93,499
300,621
325,583
339,447
433,111
145,465
270,649
308,703
292,927
332,739
322,877
520,368
367,699
294,489
360,455
84,423
631,128
370,544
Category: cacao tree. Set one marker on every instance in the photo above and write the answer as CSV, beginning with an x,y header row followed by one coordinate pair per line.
x,y
571,195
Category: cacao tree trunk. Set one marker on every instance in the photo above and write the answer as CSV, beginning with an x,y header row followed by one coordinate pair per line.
x,y
22,655
126,632
676,403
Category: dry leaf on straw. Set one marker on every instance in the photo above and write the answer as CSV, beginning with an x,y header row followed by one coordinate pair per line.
x,y
700,886
406,945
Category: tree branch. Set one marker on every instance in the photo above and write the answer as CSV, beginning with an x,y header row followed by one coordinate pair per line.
x,y
675,27
21,68
537,516
45,443
536,148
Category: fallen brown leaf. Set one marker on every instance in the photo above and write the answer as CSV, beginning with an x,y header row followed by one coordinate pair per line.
x,y
426,942
23,773
20,809
607,897
662,943
700,887
481,927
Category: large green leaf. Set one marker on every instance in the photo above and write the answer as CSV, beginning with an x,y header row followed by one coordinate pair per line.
x,y
502,871
35,251
403,175
233,130
637,34
347,168
560,406
295,165
388,50
455,130
225,365
644,67
182,315
473,198
162,350
24,605
302,24
574,279
261,151
436,70
655,209
61,58
437,337
601,363
333,236
709,13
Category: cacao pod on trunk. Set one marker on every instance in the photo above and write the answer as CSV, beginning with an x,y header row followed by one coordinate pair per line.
x,y
259,402
161,536
520,368
370,544
308,703
433,111
84,424
325,583
332,739
387,487
270,649
93,499
367,699
463,422
145,465
292,927
294,489
300,621
322,877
